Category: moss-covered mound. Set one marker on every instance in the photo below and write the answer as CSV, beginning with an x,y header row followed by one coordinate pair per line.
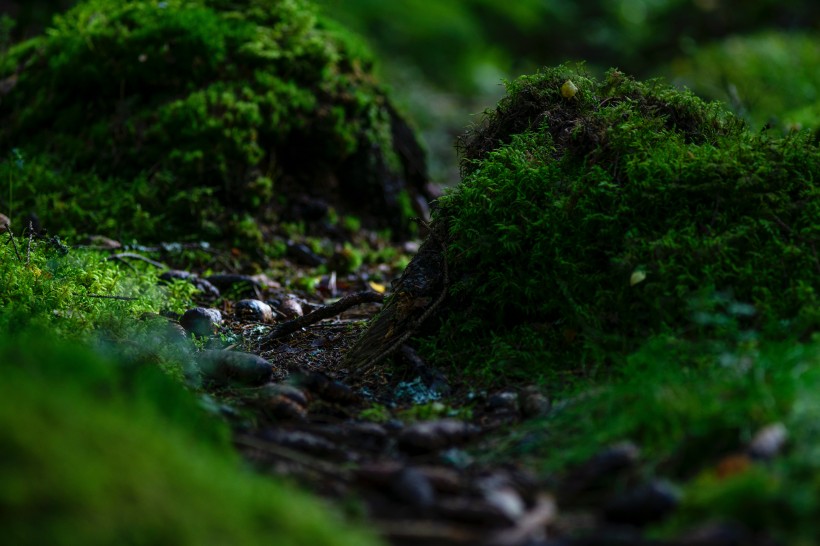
x,y
100,453
182,117
593,214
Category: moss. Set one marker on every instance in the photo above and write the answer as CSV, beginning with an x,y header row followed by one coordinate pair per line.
x,y
584,225
95,452
194,114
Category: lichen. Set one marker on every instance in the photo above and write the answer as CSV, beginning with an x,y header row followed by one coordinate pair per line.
x,y
199,111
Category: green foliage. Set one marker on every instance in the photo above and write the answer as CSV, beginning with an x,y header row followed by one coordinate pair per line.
x,y
765,78
203,113
688,406
585,224
96,452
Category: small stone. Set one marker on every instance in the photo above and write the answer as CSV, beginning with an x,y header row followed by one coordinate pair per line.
x,y
201,321
208,289
600,468
281,402
100,241
253,311
234,368
412,486
244,285
435,435
4,221
768,442
533,403
503,401
643,505
330,390
291,307
302,254
507,501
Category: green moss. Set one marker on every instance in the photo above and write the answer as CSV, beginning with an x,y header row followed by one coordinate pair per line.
x,y
163,119
584,225
98,453
767,78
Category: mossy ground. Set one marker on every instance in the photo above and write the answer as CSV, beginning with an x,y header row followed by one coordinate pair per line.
x,y
585,225
97,452
114,448
205,116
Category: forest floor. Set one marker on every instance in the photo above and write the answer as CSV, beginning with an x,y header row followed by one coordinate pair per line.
x,y
418,454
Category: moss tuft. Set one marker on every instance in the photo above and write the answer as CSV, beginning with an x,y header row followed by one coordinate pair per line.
x,y
586,224
181,116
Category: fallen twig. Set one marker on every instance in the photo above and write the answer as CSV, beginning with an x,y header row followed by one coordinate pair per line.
x,y
321,313
103,296
123,255
13,242
532,523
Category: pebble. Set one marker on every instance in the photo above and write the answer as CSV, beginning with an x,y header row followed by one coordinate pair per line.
x,y
533,403
291,307
600,467
430,436
208,289
4,220
768,442
412,486
244,284
281,401
302,254
253,311
305,442
330,390
234,368
503,401
201,321
648,503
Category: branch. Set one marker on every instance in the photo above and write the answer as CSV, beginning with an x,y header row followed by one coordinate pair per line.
x,y
321,313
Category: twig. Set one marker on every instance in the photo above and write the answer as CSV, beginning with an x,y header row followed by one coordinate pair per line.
x,y
30,236
531,523
102,296
123,255
14,243
322,313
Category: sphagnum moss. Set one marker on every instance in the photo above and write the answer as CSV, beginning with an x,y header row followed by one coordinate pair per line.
x,y
585,224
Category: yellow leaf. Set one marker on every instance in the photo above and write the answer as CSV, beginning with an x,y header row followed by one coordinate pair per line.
x,y
637,277
376,287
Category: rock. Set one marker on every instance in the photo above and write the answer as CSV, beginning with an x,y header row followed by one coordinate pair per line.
x,y
99,241
768,442
208,289
201,321
600,468
4,221
233,368
504,401
281,402
302,254
243,285
648,503
253,311
330,390
291,307
507,501
435,435
306,442
533,403
412,486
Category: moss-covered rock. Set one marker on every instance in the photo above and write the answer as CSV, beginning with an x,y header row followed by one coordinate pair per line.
x,y
193,116
595,214
97,452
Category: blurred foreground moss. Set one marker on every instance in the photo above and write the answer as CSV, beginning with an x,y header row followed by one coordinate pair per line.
x,y
768,78
96,452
